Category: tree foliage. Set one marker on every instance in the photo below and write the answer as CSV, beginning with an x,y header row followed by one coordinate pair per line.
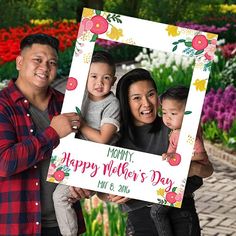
x,y
19,12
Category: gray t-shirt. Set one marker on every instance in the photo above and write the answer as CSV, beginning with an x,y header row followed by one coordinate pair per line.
x,y
41,121
106,111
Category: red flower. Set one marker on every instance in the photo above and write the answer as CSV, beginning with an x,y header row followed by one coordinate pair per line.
x,y
199,42
174,161
170,197
71,83
100,25
59,175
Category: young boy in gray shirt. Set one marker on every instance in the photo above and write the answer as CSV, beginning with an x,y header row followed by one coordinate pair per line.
x,y
100,123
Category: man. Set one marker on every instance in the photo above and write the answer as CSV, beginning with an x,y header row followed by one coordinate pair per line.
x,y
30,128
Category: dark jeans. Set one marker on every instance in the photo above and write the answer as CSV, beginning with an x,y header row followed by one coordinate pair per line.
x,y
140,223
183,221
54,231
159,214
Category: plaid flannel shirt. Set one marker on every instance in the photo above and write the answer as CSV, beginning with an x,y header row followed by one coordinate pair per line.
x,y
20,151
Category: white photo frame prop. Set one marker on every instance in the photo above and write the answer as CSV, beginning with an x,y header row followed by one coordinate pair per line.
x,y
121,171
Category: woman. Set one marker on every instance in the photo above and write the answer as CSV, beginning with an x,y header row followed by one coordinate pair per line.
x,y
143,130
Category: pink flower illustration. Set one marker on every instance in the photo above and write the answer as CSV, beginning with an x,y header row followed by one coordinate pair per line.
x,y
170,197
51,169
87,24
199,42
100,24
209,52
179,197
59,175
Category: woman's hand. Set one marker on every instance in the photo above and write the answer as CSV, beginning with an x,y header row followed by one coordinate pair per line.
x,y
118,199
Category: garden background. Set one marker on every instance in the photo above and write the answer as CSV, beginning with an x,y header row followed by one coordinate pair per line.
x,y
61,18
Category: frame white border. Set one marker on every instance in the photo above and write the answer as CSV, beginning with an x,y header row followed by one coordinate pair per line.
x,y
81,162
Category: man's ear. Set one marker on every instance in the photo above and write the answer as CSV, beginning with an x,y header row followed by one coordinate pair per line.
x,y
19,61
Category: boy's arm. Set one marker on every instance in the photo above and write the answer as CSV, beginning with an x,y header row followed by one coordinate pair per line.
x,y
201,170
103,135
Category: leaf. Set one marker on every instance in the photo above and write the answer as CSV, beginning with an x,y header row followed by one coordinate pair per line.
x,y
174,189
94,38
187,112
109,17
98,12
181,40
199,52
175,43
174,48
78,110
188,44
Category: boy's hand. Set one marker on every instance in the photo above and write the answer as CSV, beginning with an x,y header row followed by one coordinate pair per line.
x,y
167,156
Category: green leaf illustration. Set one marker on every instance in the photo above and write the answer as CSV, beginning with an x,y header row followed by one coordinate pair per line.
x,y
199,52
174,189
187,112
94,38
181,40
98,12
174,48
188,44
78,110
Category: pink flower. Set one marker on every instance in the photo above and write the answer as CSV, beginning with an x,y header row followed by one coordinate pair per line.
x,y
199,42
170,197
100,25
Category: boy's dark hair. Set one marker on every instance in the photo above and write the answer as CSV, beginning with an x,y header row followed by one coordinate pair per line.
x,y
45,39
179,93
104,57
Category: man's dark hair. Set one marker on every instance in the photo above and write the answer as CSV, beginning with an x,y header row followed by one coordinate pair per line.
x,y
179,93
104,57
45,39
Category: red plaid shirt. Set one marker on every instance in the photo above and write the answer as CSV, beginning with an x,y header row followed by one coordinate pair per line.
x,y
20,152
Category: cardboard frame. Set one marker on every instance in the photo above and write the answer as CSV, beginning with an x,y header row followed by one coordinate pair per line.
x,y
120,171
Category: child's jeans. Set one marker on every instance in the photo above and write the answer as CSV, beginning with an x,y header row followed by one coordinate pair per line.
x,y
66,216
159,214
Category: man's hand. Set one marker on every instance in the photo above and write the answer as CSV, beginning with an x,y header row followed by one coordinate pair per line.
x,y
79,193
65,124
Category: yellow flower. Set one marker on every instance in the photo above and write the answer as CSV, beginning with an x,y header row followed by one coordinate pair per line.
x,y
224,8
178,204
115,33
51,179
172,30
200,84
211,36
161,192
88,12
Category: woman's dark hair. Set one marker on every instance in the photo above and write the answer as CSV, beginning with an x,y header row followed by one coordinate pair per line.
x,y
104,57
122,91
45,39
179,93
